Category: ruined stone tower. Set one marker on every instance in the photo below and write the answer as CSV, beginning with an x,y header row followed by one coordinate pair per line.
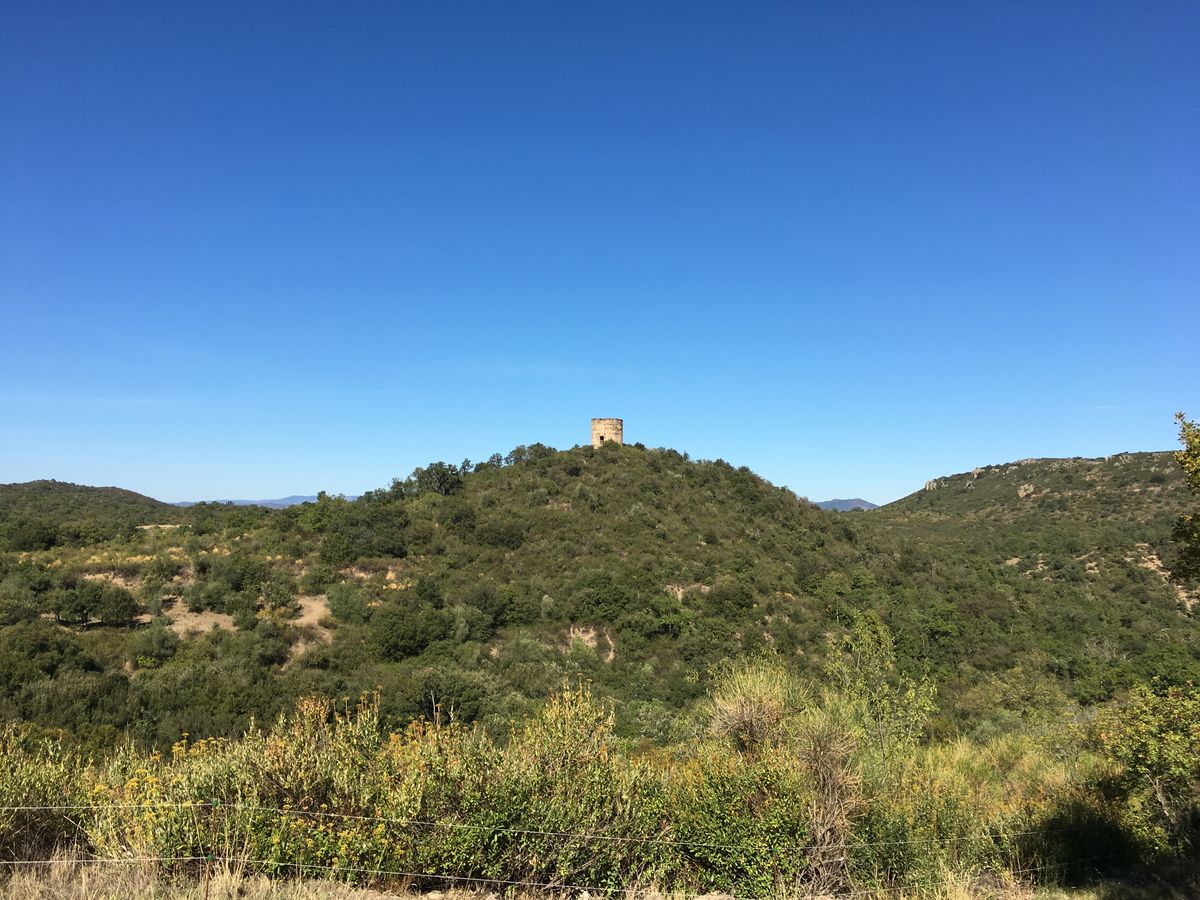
x,y
607,431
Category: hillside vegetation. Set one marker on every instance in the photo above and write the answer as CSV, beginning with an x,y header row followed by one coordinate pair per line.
x,y
38,515
1018,589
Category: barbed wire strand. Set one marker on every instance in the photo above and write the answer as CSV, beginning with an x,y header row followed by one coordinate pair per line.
x,y
549,886
930,840
101,859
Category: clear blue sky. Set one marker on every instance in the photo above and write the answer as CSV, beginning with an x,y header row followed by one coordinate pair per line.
x,y
252,249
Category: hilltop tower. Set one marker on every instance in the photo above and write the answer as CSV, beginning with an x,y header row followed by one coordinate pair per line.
x,y
607,431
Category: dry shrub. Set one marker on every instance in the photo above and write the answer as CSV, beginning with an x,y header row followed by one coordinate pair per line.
x,y
34,774
751,701
825,744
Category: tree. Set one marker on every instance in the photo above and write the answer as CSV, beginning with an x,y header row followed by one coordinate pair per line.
x,y
402,630
77,604
436,478
1187,531
116,606
31,534
893,709
1155,737
347,604
18,601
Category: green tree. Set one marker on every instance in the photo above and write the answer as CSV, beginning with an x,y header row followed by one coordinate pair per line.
x,y
436,478
893,709
153,646
18,602
348,604
405,629
1155,738
77,604
1187,532
31,534
116,606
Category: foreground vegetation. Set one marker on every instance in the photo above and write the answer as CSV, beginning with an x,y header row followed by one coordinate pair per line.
x,y
786,788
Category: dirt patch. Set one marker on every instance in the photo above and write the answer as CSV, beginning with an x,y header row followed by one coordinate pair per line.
x,y
313,609
591,636
678,590
66,878
185,623
389,573
129,583
1148,559
583,633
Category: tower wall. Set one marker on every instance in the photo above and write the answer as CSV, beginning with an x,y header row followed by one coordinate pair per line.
x,y
608,431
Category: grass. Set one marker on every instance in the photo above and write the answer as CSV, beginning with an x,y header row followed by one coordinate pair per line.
x,y
69,878
803,809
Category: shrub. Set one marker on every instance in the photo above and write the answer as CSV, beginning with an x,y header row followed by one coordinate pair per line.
x,y
39,774
1153,736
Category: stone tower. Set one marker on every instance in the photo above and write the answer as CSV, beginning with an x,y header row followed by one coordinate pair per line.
x,y
607,431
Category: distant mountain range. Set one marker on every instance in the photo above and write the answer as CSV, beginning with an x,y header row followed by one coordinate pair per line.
x,y
278,503
847,505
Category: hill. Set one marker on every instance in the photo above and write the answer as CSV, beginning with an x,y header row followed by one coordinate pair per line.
x,y
479,588
1069,516
41,514
1144,484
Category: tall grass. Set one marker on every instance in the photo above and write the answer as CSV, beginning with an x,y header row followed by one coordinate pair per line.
x,y
788,805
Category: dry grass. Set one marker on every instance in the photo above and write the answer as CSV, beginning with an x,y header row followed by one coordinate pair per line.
x,y
70,879
184,622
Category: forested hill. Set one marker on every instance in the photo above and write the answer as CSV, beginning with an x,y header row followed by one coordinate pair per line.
x,y
481,587
37,515
1135,486
1071,513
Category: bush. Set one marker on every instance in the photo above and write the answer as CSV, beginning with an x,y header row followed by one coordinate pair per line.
x,y
1153,737
504,534
347,604
39,774
405,629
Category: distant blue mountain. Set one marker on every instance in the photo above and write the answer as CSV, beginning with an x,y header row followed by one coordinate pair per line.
x,y
279,503
847,505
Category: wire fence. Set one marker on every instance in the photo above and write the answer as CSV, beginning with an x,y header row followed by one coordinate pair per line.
x,y
404,822
242,862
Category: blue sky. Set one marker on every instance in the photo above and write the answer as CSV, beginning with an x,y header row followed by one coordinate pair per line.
x,y
260,249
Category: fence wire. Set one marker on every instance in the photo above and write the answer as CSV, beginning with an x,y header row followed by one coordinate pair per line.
x,y
404,822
